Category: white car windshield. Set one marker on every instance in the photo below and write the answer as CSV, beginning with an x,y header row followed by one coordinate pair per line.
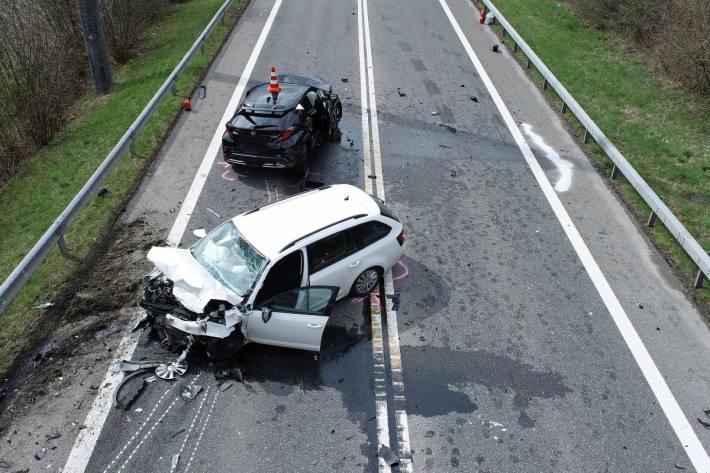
x,y
230,258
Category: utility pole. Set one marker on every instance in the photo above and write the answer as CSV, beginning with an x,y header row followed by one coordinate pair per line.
x,y
95,41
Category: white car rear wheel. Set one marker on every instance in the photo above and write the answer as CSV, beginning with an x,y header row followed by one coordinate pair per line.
x,y
366,282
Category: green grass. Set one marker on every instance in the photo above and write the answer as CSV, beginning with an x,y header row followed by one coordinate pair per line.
x,y
32,200
662,129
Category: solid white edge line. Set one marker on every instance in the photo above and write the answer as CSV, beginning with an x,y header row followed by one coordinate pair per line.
x,y
695,450
401,423
364,111
85,442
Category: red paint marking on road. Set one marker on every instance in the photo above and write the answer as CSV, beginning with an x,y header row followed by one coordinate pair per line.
x,y
227,170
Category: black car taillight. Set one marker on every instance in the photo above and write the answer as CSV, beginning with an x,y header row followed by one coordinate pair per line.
x,y
230,131
286,134
400,238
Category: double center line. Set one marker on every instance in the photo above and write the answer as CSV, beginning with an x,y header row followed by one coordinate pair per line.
x,y
372,162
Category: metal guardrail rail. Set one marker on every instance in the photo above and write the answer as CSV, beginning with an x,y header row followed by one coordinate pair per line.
x,y
55,233
659,210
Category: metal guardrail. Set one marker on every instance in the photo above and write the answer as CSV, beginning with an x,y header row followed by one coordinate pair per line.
x,y
659,210
55,233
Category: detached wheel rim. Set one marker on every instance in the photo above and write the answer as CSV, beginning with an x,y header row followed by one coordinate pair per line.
x,y
367,281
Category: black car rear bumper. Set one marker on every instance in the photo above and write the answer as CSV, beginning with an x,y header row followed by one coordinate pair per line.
x,y
262,161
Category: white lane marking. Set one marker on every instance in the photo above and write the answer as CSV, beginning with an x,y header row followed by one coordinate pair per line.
x,y
378,346
202,432
96,417
188,204
365,123
564,167
400,413
379,373
137,433
683,430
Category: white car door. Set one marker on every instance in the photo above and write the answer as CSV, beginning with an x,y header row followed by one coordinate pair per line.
x,y
294,319
332,261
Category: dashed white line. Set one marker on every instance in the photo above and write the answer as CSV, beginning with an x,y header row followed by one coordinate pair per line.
x,y
96,417
683,430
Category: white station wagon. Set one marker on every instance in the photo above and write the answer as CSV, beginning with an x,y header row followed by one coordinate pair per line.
x,y
272,275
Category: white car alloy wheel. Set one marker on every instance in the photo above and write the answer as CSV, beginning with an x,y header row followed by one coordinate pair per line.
x,y
367,281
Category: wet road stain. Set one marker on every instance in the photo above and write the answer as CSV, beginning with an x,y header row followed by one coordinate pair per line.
x,y
429,373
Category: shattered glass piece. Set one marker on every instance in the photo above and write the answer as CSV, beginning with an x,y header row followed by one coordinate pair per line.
x,y
388,455
174,463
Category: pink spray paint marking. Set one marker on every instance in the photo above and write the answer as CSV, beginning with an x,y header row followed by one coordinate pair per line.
x,y
227,170
404,274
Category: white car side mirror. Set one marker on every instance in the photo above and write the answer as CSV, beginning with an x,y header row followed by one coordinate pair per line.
x,y
265,313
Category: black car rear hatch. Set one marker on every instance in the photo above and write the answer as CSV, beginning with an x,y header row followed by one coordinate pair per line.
x,y
257,131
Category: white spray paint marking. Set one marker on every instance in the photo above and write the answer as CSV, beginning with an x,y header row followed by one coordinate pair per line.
x,y
147,434
202,432
174,466
682,428
96,418
137,433
400,413
564,168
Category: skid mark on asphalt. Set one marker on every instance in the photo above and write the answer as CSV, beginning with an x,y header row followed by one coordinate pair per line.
x,y
564,168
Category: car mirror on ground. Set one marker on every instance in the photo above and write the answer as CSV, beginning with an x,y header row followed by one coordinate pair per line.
x,y
265,313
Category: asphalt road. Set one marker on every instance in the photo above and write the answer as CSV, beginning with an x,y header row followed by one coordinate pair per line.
x,y
510,358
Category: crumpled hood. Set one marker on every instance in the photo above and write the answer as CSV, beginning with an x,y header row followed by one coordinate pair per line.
x,y
193,285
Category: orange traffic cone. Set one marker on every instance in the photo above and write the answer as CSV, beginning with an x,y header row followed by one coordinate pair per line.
x,y
274,87
187,104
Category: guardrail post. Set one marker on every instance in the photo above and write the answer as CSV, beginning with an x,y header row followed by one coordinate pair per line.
x,y
544,84
699,279
652,219
564,107
221,19
173,88
202,49
62,246
614,172
132,147
528,64
586,136
515,46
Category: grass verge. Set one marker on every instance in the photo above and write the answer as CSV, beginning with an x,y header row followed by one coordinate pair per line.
x,y
661,129
32,200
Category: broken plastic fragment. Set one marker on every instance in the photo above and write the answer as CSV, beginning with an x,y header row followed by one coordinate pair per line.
x,y
43,305
174,463
388,455
189,392
129,389
199,232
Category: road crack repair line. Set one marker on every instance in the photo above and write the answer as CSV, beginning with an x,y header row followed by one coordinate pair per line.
x,y
678,421
86,440
369,120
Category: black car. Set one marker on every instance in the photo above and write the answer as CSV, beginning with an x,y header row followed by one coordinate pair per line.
x,y
281,133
